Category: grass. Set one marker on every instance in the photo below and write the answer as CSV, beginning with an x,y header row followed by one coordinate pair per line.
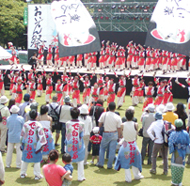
x,y
94,175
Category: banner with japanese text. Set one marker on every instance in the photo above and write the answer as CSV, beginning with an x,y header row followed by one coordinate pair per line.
x,y
169,27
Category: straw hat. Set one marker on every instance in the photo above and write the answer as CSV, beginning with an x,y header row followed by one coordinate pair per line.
x,y
14,109
4,99
84,109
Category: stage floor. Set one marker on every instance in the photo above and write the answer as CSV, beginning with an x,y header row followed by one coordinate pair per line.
x,y
180,74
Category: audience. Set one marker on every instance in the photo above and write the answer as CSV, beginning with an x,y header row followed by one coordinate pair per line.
x,y
2,170
22,106
14,125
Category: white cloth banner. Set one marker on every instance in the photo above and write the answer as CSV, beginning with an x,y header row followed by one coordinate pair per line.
x,y
172,21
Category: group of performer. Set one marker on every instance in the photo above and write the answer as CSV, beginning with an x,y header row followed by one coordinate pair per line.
x,y
111,56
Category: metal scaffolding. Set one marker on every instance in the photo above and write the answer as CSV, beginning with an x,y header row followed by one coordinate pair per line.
x,y
121,15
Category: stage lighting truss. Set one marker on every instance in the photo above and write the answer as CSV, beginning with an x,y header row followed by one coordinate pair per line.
x,y
121,15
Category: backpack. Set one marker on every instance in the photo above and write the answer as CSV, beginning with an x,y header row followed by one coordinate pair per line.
x,y
54,114
1,118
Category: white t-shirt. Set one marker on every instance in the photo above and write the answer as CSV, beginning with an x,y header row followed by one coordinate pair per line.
x,y
129,132
110,120
87,125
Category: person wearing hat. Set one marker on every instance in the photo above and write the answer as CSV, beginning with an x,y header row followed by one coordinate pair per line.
x,y
147,120
156,128
87,88
14,125
95,140
4,110
87,128
40,60
76,91
178,144
169,115
65,115
19,88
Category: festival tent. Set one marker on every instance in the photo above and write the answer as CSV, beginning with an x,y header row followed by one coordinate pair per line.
x,y
4,54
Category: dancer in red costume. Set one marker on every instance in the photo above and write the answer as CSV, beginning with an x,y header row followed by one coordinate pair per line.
x,y
76,91
49,87
11,78
141,61
148,59
107,54
31,75
59,91
64,61
40,85
94,94
168,96
111,59
71,61
106,88
118,61
40,56
94,59
100,82
135,91
149,92
111,91
13,59
85,59
141,90
164,61
64,79
130,49
56,58
174,62
49,57
19,88
102,57
160,91
135,58
87,88
2,75
79,61
32,88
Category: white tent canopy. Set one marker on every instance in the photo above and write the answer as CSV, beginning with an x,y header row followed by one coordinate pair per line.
x,y
4,54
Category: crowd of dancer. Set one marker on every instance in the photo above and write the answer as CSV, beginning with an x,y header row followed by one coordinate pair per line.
x,y
111,56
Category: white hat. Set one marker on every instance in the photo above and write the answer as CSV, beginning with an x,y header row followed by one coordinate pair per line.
x,y
96,130
151,107
132,108
4,99
14,109
160,108
169,106
84,109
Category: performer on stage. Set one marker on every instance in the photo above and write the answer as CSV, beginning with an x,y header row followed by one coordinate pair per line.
x,y
49,87
141,61
64,61
107,54
71,61
111,58
164,61
149,92
94,94
85,59
100,82
32,88
40,85
59,91
56,58
31,76
111,91
2,75
76,91
64,79
148,59
135,91
122,58
130,49
141,90
174,62
94,59
87,88
13,59
11,78
40,56
19,88
89,62
49,57
118,62
135,57
79,60
168,96
102,57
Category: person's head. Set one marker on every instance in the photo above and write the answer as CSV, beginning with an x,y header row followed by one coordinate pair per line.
x,y
43,109
180,108
54,99
112,106
132,108
150,84
129,114
76,78
83,110
11,103
86,78
178,124
66,158
34,106
122,77
95,85
58,81
136,76
67,100
33,114
151,108
111,81
169,107
100,101
160,108
35,54
19,80
75,113
14,109
158,116
53,155
4,100
96,130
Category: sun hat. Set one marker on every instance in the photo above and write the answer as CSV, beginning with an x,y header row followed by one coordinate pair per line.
x,y
131,108
84,109
67,99
158,115
14,109
169,106
151,107
178,123
4,99
95,130
160,108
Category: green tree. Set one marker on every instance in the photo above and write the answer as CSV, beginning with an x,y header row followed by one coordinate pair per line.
x,y
11,22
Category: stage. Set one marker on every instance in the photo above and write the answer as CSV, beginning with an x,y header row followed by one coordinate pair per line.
x,y
178,92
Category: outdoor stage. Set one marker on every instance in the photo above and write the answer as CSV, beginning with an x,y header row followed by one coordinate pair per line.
x,y
178,92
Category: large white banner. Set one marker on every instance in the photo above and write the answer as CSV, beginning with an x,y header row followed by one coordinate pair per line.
x,y
169,26
41,27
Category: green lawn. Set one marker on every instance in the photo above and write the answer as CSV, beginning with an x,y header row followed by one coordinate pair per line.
x,y
94,175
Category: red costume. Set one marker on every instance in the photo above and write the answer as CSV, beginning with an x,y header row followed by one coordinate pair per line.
x,y
76,91
58,89
32,87
111,93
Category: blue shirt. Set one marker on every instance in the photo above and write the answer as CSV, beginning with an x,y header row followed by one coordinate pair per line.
x,y
14,125
69,167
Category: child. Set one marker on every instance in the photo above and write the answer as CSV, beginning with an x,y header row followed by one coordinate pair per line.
x,y
95,140
66,159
